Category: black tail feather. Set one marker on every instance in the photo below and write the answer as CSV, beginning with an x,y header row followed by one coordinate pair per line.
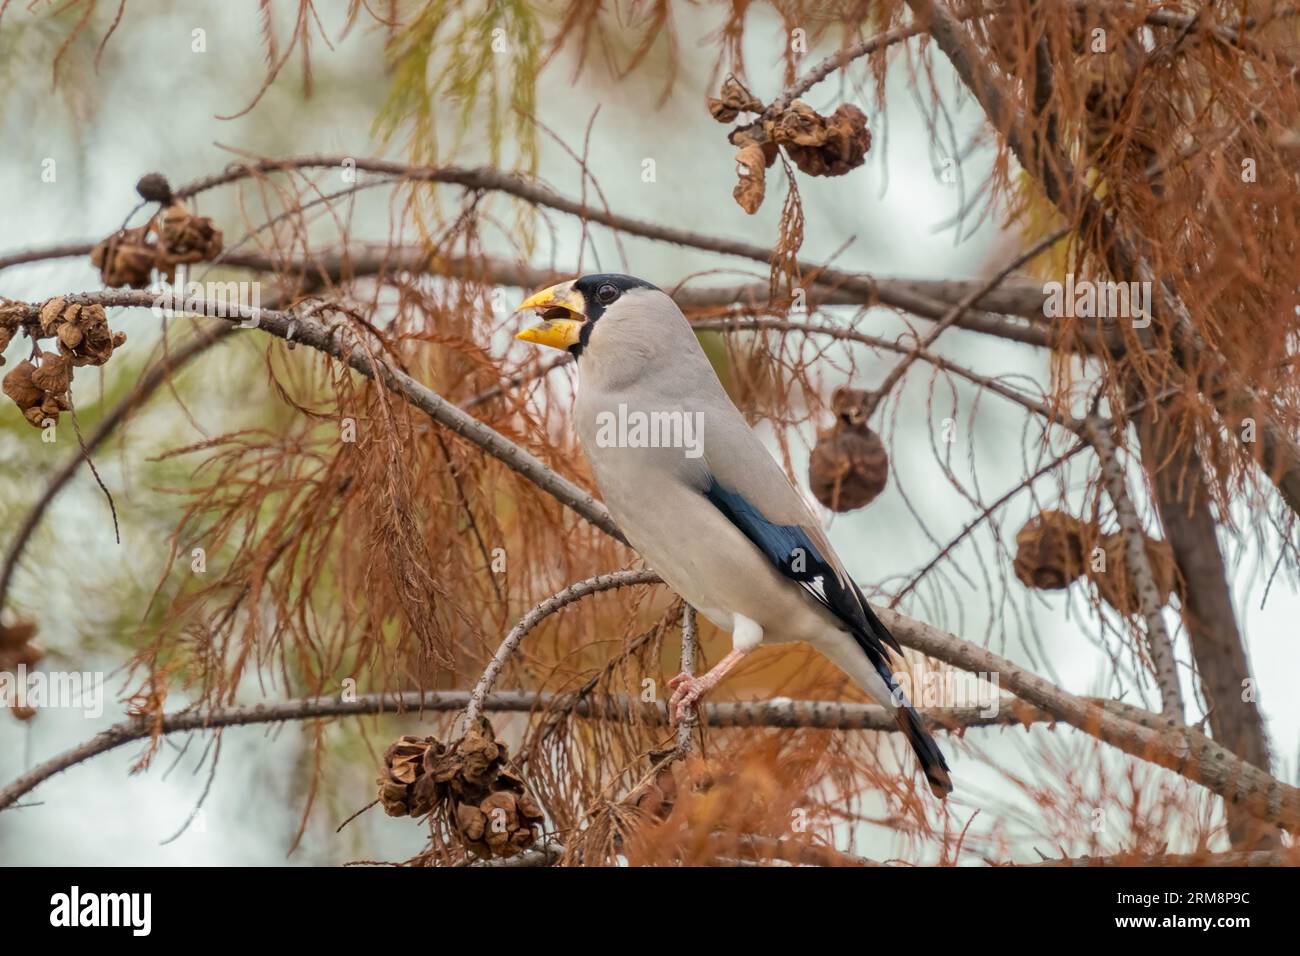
x,y
927,751
909,722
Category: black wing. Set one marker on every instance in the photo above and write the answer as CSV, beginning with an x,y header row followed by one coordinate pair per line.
x,y
791,549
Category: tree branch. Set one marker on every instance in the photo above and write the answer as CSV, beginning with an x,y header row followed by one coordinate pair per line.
x,y
306,330
1186,751
1137,565
777,713
686,729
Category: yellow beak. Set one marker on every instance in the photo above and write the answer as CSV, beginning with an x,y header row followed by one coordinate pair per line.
x,y
563,312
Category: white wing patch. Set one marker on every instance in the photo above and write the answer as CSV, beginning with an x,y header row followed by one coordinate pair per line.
x,y
817,588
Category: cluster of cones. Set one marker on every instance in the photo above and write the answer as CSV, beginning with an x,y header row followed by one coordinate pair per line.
x,y
1054,549
818,145
469,783
175,236
81,332
39,386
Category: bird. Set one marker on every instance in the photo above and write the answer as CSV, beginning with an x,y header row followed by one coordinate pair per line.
x,y
701,499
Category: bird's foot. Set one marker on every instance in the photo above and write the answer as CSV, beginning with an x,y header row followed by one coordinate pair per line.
x,y
687,690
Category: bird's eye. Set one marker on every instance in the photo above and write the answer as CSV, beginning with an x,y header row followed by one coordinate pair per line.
x,y
607,293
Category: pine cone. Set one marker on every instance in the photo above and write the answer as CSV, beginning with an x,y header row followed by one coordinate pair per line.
x,y
125,258
509,819
403,764
480,757
82,331
820,145
469,784
10,323
154,187
733,99
16,648
27,385
849,466
1049,551
184,237
1115,585
55,373
751,169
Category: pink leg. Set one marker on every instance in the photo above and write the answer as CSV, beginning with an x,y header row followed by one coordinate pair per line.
x,y
687,689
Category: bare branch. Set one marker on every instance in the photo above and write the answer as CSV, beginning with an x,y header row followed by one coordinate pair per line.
x,y
1137,565
1185,751
780,713
686,729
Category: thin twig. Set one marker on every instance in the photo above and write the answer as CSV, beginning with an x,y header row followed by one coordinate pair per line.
x,y
686,729
875,397
574,592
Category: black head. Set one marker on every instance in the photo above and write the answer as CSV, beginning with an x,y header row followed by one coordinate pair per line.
x,y
600,290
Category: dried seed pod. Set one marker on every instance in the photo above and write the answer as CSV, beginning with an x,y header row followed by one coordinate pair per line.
x,y
126,258
479,753
26,385
403,765
10,323
733,99
154,187
821,145
82,331
501,812
1049,551
54,374
16,646
1115,584
509,821
468,785
799,125
848,467
754,135
470,821
19,387
751,167
184,237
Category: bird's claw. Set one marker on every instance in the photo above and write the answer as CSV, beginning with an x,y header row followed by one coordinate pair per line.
x,y
686,691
